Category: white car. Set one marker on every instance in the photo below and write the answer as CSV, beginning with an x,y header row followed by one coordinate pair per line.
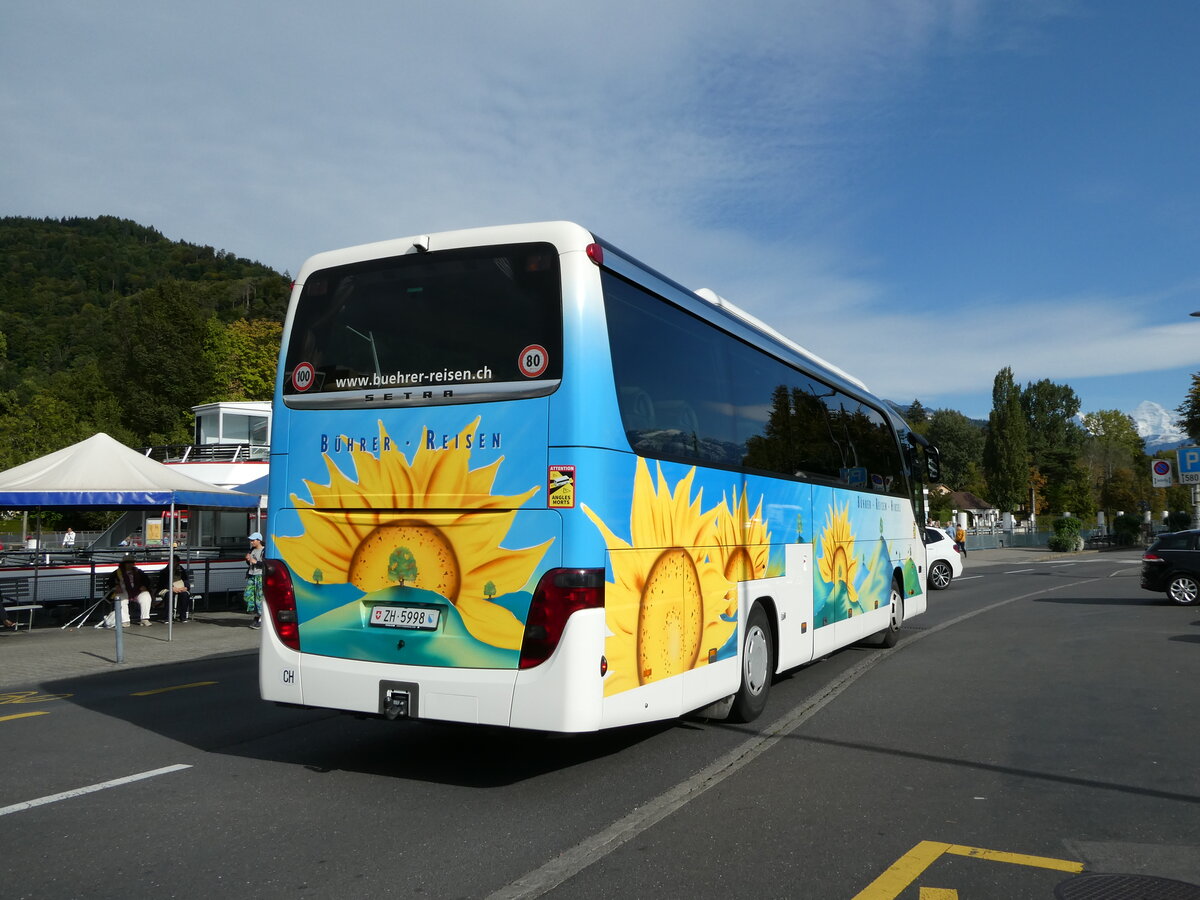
x,y
943,559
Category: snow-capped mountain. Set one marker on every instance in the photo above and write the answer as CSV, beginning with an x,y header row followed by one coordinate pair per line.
x,y
1157,427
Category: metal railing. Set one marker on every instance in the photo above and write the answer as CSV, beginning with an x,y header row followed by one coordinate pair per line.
x,y
229,453
60,578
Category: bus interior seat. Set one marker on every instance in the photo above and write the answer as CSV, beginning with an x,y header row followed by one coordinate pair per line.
x,y
637,409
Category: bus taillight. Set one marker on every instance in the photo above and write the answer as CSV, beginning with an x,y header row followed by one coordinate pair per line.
x,y
280,600
559,593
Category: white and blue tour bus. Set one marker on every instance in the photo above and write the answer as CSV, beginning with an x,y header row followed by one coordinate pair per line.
x,y
518,478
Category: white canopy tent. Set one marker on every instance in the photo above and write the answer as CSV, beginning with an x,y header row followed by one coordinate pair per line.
x,y
103,472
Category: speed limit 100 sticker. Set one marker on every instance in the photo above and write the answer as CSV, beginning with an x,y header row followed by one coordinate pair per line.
x,y
303,376
533,361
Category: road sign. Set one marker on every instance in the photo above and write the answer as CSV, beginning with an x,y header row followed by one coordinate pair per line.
x,y
1160,472
1189,465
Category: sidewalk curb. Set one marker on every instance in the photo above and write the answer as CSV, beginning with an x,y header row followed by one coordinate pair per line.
x,y
51,654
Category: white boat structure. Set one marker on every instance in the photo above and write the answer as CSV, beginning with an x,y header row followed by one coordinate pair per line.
x,y
231,447
230,450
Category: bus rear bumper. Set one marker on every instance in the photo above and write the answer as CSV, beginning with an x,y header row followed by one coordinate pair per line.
x,y
563,694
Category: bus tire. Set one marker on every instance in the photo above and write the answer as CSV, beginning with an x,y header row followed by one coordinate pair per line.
x,y
758,665
891,634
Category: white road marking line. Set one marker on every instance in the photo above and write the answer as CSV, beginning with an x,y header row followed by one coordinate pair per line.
x,y
575,859
1017,571
79,792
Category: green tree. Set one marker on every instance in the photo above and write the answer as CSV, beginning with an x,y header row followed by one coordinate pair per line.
x,y
243,355
1115,454
1189,410
1122,495
1072,493
976,481
39,426
960,442
917,416
1114,442
1006,455
1055,438
61,276
160,373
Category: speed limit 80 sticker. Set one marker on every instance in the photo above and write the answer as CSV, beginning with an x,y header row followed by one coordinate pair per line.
x,y
533,361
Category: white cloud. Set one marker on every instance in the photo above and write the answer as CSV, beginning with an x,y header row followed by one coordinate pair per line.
x,y
716,141
301,125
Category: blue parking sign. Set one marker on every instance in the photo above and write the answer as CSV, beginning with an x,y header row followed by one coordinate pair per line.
x,y
1189,465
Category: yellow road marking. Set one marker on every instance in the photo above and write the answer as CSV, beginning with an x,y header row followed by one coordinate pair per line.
x,y
177,687
23,715
904,871
29,697
938,894
1017,859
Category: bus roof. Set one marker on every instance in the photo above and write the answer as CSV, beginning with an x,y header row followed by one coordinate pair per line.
x,y
721,303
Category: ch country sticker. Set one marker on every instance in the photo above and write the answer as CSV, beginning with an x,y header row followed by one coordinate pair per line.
x,y
560,488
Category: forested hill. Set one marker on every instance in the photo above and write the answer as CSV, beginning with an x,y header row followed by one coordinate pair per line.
x,y
106,325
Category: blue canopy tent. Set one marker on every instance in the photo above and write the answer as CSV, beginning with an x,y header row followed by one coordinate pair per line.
x,y
103,472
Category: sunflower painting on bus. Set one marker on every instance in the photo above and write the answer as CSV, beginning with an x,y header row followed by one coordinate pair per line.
x,y
456,556
855,568
672,603
836,590
744,541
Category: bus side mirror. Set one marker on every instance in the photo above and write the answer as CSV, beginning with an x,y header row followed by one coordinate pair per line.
x,y
933,459
933,463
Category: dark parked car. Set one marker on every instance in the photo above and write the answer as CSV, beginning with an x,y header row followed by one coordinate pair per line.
x,y
1172,565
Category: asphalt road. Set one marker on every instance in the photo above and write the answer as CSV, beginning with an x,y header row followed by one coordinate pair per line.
x,y
1037,723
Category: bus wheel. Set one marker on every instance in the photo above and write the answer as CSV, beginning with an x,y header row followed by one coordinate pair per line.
x,y
758,665
891,634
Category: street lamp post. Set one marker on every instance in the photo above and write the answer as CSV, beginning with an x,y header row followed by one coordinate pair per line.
x,y
1196,487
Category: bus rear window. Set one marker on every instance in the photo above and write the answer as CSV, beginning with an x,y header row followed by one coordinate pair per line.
x,y
454,326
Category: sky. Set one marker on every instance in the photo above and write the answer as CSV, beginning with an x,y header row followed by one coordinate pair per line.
x,y
922,192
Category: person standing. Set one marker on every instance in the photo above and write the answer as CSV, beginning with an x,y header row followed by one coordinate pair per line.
x,y
69,539
961,536
253,594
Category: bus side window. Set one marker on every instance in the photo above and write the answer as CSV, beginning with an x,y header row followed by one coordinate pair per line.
x,y
678,415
